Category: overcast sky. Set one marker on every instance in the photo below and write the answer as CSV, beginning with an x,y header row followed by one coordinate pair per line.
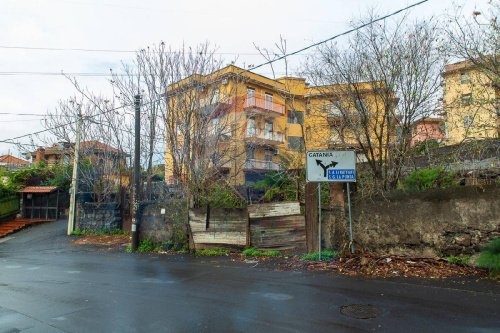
x,y
27,80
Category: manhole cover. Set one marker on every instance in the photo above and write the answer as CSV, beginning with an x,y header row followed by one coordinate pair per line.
x,y
359,311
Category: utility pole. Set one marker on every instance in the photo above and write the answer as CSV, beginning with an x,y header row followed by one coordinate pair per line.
x,y
74,177
137,172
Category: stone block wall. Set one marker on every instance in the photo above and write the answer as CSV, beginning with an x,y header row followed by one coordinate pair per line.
x,y
431,223
163,221
95,216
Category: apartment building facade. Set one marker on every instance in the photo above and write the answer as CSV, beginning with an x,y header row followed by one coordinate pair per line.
x,y
269,122
470,102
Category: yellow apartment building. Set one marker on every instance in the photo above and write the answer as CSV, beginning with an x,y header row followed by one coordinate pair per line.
x,y
267,121
470,102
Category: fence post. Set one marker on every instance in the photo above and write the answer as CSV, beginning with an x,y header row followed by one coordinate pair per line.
x,y
311,216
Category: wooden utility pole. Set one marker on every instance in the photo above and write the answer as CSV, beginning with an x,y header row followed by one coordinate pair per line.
x,y
74,177
137,173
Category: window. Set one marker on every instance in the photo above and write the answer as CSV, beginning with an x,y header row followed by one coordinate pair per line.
x,y
295,117
180,128
466,99
468,120
332,108
251,126
250,152
269,101
308,133
268,155
250,96
295,143
308,106
361,106
464,78
214,126
268,130
215,96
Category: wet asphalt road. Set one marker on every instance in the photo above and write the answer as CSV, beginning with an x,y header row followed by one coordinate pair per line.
x,y
48,285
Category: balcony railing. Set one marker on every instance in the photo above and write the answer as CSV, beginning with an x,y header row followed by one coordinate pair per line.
x,y
263,103
252,164
264,137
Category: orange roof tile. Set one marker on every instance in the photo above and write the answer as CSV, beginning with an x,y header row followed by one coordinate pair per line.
x,y
12,160
38,189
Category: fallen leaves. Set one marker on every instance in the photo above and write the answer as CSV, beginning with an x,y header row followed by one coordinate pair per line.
x,y
386,266
103,240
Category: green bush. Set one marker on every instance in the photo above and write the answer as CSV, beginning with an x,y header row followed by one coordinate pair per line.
x,y
214,252
459,260
252,252
146,245
490,257
423,179
219,195
326,255
128,249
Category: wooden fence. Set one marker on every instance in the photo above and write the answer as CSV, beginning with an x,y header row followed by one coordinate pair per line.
x,y
9,206
264,226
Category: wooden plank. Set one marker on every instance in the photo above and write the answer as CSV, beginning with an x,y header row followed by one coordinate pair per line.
x,y
229,238
273,209
283,233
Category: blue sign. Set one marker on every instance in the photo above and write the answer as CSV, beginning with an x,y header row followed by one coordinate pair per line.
x,y
341,174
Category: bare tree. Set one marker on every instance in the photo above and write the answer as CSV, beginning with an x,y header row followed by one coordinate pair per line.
x,y
472,95
385,77
476,37
102,155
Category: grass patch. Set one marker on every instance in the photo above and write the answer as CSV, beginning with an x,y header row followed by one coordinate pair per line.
x,y
463,260
146,245
325,255
214,252
490,257
252,252
86,232
128,249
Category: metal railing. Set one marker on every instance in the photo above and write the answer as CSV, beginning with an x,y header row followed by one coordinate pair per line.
x,y
261,165
258,133
261,102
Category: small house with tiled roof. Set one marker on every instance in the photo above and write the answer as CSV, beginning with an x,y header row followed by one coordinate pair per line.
x,y
10,162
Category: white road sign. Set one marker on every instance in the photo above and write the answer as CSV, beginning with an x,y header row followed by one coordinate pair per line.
x,y
331,166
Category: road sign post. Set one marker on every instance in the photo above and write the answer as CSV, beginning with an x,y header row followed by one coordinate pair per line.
x,y
332,166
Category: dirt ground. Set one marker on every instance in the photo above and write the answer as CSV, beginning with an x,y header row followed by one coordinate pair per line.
x,y
386,266
109,241
366,265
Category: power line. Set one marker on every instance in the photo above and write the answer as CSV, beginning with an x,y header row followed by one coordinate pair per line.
x,y
23,114
258,66
89,74
33,48
10,141
18,120
339,35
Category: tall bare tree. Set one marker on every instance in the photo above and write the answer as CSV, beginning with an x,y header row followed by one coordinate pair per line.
x,y
386,76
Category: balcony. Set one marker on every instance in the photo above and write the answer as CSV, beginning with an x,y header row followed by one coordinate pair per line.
x,y
257,104
334,115
264,138
252,164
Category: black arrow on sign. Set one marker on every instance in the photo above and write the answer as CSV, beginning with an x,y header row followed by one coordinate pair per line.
x,y
325,167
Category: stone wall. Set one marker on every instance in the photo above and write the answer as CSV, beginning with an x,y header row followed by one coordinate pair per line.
x,y
163,221
94,216
432,223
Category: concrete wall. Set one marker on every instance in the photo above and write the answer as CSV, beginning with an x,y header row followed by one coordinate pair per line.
x,y
93,216
438,222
